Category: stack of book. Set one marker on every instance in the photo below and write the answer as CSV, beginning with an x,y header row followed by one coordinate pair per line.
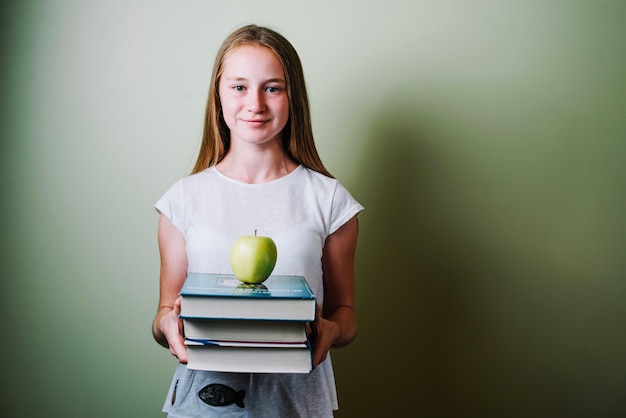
x,y
232,326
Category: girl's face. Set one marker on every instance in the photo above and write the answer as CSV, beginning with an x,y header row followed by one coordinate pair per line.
x,y
253,95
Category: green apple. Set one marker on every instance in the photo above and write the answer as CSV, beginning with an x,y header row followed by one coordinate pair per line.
x,y
253,258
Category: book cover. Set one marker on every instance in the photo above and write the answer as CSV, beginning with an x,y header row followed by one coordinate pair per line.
x,y
227,285
222,296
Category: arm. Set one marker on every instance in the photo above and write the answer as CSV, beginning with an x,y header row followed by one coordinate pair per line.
x,y
167,326
336,324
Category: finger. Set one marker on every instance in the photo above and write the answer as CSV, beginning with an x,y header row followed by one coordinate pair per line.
x,y
312,332
318,357
179,350
177,306
320,347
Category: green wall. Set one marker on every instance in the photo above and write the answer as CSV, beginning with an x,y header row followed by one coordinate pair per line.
x,y
486,140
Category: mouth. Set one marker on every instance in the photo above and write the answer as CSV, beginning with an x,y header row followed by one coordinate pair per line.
x,y
255,122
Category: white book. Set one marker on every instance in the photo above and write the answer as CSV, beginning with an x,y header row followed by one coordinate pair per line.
x,y
245,330
248,357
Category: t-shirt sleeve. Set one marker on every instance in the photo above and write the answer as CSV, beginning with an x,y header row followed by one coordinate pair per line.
x,y
171,204
344,208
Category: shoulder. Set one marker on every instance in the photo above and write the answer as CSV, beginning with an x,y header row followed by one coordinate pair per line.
x,y
328,185
199,179
186,187
317,178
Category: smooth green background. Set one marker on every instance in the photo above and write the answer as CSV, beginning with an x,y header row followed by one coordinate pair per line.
x,y
485,138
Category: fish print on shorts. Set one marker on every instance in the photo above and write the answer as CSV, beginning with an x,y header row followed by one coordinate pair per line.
x,y
217,394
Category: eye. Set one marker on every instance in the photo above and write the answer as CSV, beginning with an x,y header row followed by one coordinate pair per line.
x,y
272,89
239,88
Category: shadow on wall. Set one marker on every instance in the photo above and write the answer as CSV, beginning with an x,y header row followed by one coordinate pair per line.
x,y
412,280
454,320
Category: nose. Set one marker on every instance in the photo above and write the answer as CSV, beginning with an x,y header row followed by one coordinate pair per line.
x,y
255,102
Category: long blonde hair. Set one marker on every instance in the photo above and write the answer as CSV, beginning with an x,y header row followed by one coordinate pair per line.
x,y
297,136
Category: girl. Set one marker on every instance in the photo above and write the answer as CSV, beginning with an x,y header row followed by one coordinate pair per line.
x,y
258,168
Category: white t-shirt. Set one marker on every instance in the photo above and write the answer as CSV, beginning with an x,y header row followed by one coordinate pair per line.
x,y
298,211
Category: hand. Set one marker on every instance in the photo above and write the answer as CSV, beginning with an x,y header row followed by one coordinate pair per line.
x,y
323,335
172,328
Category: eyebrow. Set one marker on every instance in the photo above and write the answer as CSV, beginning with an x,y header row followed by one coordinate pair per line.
x,y
271,80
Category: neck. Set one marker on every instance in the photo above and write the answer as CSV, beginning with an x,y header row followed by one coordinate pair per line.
x,y
256,167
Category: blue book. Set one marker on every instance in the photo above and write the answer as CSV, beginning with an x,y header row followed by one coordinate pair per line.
x,y
223,296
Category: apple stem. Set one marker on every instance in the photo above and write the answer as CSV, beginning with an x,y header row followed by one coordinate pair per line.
x,y
255,232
